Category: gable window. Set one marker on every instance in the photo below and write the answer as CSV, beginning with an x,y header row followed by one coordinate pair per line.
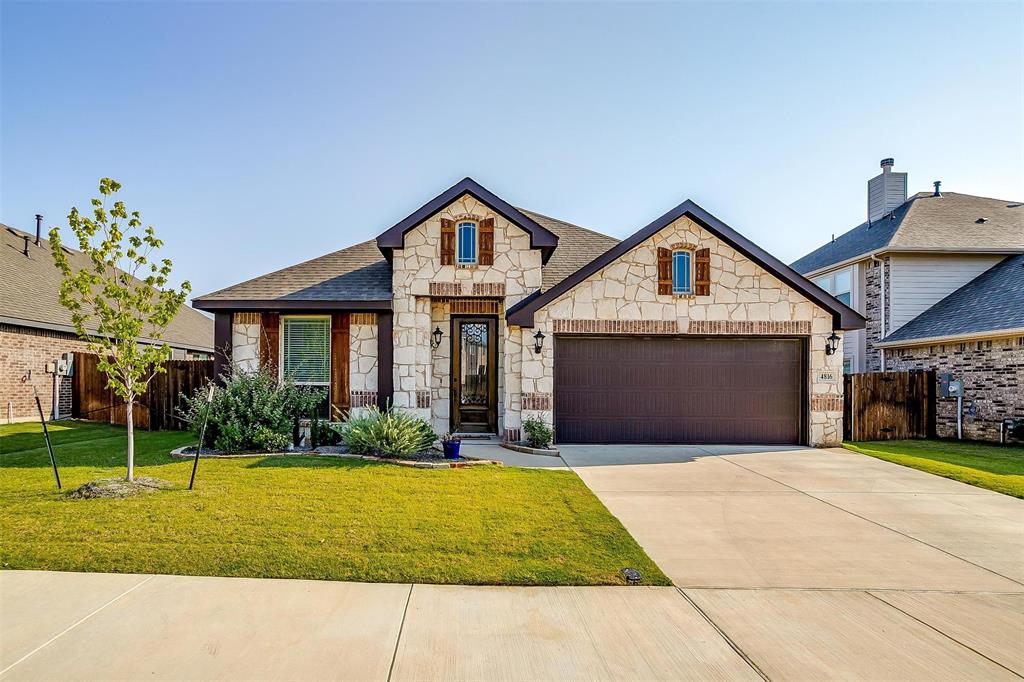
x,y
306,353
839,284
466,240
682,272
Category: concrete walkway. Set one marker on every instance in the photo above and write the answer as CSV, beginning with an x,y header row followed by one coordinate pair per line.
x,y
789,564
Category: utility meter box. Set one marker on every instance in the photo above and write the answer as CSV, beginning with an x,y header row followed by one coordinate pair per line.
x,y
66,365
956,388
944,380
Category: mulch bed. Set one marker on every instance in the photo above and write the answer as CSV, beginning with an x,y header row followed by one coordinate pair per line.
x,y
118,488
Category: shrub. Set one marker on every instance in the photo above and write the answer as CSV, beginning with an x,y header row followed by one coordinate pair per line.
x,y
538,434
252,411
386,434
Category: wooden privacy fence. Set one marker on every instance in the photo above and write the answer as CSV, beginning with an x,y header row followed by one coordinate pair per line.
x,y
156,409
889,405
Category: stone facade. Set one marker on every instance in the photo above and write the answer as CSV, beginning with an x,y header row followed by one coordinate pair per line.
x,y
872,311
744,298
25,351
245,341
992,372
426,292
362,361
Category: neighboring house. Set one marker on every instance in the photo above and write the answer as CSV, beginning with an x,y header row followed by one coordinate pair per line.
x,y
939,278
477,315
36,330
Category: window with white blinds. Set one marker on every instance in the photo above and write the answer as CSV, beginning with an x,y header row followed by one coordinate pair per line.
x,y
306,352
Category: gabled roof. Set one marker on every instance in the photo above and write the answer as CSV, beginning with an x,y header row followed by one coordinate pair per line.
x,y
30,287
991,302
843,316
357,274
540,237
928,223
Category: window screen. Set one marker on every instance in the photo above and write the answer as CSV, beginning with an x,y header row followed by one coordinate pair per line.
x,y
307,350
681,272
467,243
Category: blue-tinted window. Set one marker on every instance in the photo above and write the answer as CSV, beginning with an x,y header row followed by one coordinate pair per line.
x,y
467,243
682,282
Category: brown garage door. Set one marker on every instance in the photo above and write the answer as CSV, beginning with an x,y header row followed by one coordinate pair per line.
x,y
678,390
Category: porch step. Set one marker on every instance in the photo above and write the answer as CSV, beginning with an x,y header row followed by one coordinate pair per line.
x,y
487,437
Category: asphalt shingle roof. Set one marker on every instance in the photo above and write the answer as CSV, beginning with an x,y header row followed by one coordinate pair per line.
x,y
360,272
30,285
992,301
925,222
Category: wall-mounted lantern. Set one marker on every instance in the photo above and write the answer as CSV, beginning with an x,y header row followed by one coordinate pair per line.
x,y
435,338
831,344
538,341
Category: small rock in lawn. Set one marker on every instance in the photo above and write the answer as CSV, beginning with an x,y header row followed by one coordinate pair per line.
x,y
118,488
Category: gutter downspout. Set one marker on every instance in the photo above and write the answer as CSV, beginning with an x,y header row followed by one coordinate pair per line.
x,y
881,321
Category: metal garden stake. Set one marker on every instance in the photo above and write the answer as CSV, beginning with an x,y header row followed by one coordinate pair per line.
x,y
202,435
46,434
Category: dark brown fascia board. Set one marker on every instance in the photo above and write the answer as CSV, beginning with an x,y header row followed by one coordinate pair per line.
x,y
843,317
285,304
540,237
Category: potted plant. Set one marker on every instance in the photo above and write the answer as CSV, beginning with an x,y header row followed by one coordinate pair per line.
x,y
451,446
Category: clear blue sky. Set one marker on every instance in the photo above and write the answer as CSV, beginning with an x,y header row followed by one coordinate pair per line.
x,y
257,135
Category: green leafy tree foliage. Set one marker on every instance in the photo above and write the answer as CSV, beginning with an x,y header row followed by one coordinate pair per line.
x,y
122,296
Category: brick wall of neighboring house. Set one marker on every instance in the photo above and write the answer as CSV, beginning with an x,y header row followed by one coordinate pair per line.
x,y
872,311
992,372
23,350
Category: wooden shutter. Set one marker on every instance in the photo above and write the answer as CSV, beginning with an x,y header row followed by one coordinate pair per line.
x,y
487,241
664,271
339,364
702,272
447,241
270,347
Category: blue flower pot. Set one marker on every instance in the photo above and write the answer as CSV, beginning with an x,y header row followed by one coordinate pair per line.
x,y
451,449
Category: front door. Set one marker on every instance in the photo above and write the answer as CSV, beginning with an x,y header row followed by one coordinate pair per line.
x,y
474,375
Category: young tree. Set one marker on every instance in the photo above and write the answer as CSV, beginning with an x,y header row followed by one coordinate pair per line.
x,y
121,296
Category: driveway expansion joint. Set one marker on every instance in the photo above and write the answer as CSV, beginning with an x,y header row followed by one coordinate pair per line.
x,y
728,640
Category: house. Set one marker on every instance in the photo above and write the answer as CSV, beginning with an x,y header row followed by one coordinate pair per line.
x,y
940,280
36,330
477,315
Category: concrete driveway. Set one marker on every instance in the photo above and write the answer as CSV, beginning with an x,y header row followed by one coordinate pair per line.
x,y
827,563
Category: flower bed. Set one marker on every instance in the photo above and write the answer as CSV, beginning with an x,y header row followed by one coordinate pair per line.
x,y
422,460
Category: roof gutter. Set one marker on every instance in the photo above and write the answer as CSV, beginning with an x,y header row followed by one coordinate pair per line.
x,y
966,336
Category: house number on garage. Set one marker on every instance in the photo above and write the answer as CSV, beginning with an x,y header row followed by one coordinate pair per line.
x,y
828,375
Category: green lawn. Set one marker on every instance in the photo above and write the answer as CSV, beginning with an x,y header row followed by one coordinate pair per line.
x,y
303,517
996,467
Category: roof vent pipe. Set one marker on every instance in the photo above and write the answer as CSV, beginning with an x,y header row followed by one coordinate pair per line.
x,y
39,227
937,193
26,244
887,164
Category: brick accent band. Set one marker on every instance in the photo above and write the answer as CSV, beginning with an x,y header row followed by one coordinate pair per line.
x,y
362,398
469,306
536,401
615,327
423,398
446,288
826,402
247,318
369,319
801,327
488,289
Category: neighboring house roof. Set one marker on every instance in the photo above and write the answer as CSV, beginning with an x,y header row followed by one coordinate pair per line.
x,y
843,316
991,302
359,276
31,285
355,274
925,222
540,237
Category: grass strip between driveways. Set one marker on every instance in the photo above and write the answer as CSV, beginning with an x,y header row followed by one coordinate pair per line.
x,y
303,517
995,467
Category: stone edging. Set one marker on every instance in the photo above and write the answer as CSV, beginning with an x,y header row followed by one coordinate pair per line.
x,y
458,464
547,452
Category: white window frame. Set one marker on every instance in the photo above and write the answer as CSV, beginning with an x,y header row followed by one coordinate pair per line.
x,y
281,350
688,291
828,283
458,242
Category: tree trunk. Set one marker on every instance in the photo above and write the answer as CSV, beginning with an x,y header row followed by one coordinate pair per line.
x,y
130,418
